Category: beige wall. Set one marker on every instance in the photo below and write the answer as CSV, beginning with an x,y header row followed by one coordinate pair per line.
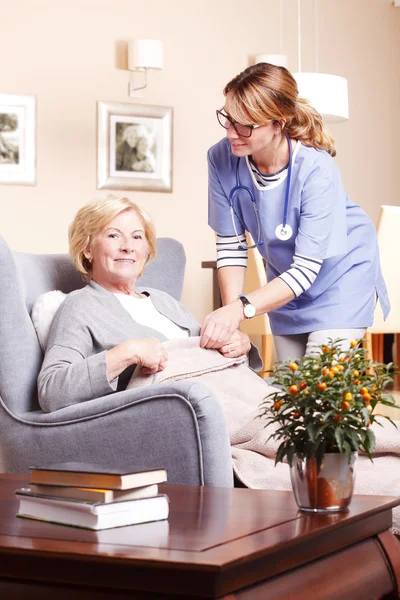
x,y
66,53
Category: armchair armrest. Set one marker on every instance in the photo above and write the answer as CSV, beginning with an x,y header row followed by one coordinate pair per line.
x,y
179,426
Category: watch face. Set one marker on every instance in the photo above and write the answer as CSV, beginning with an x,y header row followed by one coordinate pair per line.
x,y
249,311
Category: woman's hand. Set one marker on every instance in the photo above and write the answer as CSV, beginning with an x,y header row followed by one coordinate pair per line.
x,y
220,325
150,354
238,345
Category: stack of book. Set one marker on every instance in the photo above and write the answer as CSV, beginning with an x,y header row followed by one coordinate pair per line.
x,y
92,497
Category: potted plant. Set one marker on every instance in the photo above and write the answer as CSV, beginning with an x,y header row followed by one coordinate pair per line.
x,y
323,412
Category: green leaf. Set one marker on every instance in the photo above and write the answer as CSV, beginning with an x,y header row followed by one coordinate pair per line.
x,y
387,418
365,414
290,453
311,430
339,437
281,452
347,450
354,440
371,439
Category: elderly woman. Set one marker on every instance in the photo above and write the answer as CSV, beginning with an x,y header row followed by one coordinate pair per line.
x,y
103,330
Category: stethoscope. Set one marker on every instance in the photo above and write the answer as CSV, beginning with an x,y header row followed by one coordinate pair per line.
x,y
283,231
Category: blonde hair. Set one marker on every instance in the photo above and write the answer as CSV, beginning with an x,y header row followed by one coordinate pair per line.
x,y
92,218
265,92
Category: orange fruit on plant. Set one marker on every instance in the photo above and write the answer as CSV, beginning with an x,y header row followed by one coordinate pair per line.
x,y
293,366
303,385
325,349
353,343
296,414
356,373
363,391
337,418
278,404
293,389
367,397
321,386
345,405
325,371
348,396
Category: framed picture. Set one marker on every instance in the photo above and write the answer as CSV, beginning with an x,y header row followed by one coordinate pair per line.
x,y
17,139
134,147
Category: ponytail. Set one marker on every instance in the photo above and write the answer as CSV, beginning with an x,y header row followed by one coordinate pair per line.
x,y
307,127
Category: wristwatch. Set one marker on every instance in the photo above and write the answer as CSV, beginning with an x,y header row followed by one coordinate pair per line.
x,y
249,310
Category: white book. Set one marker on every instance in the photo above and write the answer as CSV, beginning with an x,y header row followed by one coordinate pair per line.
x,y
92,515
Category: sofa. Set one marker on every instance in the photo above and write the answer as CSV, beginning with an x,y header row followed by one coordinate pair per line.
x,y
178,426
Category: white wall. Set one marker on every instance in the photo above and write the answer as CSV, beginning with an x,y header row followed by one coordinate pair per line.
x,y
70,54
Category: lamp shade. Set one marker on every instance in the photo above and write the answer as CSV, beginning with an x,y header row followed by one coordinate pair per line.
x,y
280,60
327,93
145,54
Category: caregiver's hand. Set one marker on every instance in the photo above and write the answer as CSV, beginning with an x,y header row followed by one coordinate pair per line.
x,y
238,345
220,325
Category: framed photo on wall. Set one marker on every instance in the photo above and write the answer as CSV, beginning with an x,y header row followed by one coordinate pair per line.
x,y
134,147
17,139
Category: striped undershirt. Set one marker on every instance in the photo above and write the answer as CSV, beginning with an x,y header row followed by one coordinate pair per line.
x,y
303,271
263,179
228,254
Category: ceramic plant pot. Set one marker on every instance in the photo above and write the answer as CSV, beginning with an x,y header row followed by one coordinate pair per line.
x,y
327,489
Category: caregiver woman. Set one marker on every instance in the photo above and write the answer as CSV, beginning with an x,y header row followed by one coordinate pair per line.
x,y
274,176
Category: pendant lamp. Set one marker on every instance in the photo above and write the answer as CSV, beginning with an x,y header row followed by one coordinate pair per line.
x,y
327,93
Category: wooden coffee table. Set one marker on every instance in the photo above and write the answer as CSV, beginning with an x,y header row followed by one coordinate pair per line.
x,y
217,543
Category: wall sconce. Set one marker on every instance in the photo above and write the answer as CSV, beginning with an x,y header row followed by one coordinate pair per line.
x,y
142,56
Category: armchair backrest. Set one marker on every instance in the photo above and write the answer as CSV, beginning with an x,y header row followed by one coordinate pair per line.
x,y
23,277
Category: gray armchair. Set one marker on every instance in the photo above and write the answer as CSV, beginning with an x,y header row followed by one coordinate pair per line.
x,y
179,426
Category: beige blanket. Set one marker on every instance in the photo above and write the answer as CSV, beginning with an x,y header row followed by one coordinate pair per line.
x,y
240,392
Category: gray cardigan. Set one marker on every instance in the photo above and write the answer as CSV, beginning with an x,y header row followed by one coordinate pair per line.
x,y
89,322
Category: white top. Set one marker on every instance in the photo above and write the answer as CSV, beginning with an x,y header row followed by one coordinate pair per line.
x,y
143,311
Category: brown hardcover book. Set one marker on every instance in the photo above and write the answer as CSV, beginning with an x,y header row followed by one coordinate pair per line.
x,y
95,476
91,494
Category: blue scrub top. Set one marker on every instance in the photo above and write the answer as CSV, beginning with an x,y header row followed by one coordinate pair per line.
x,y
326,225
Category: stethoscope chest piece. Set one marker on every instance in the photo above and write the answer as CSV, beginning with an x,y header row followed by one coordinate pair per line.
x,y
283,232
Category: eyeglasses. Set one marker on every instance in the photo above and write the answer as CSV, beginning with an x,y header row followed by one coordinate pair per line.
x,y
242,130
